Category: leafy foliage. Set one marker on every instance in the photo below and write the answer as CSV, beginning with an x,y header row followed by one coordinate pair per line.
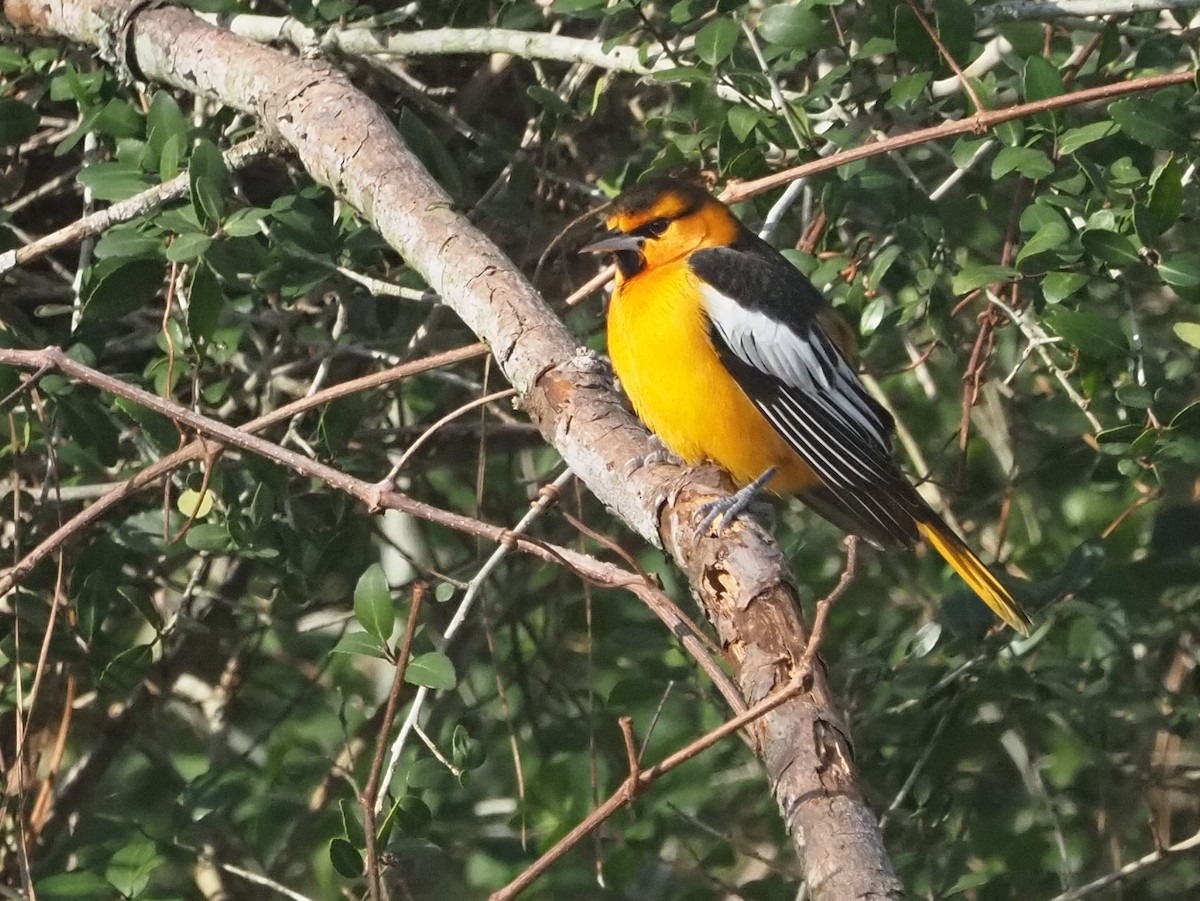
x,y
217,651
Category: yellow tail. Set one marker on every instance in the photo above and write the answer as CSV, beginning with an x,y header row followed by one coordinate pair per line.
x,y
974,573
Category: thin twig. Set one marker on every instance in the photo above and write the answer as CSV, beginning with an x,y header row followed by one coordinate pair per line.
x,y
945,54
432,430
1038,337
371,791
980,122
826,603
632,757
917,767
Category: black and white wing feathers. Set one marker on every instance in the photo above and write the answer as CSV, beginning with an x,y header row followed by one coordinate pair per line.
x,y
763,321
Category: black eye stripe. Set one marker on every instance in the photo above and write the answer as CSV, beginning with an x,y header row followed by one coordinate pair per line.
x,y
653,229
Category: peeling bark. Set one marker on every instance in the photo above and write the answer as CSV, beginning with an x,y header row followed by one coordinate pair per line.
x,y
346,142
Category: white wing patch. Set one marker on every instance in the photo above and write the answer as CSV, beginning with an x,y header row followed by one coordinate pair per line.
x,y
818,376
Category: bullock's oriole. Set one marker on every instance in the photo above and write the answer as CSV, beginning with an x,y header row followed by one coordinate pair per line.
x,y
716,340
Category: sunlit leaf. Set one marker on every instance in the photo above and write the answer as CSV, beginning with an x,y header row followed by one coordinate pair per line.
x,y
432,670
373,607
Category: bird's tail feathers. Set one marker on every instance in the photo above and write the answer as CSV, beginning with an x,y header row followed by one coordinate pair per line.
x,y
973,571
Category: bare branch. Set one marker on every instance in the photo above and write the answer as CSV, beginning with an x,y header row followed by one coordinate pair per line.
x,y
1056,9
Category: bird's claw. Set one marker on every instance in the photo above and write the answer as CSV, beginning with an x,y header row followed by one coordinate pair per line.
x,y
659,453
725,510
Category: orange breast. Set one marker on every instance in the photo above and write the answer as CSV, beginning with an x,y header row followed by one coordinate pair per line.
x,y
662,353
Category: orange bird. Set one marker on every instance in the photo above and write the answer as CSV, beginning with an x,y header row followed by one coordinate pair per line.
x,y
716,339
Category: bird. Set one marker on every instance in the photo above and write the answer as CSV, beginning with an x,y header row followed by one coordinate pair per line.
x,y
717,340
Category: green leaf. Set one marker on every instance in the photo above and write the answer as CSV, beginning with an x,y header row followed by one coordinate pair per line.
x,y
409,814
1058,286
171,159
125,671
346,859
1076,138
1038,214
1027,161
883,263
154,425
971,278
1187,417
1151,123
548,100
742,121
114,181
964,149
18,121
682,74
909,88
245,222
912,41
1166,199
1109,247
359,644
1091,333
208,537
873,314
1138,396
1180,270
11,61
432,670
351,827
373,606
566,7
208,182
119,119
968,880
127,242
427,772
1188,332
1122,434
790,26
188,247
81,886
118,287
204,304
716,40
1051,235
468,754
1041,79
130,868
955,25
81,87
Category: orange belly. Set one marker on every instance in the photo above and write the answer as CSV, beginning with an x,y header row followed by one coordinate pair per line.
x,y
661,350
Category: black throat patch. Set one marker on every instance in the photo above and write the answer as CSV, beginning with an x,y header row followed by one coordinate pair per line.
x,y
630,262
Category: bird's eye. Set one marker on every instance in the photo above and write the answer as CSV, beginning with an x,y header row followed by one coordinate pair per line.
x,y
655,228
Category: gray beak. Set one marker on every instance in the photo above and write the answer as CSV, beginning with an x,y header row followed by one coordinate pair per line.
x,y
614,242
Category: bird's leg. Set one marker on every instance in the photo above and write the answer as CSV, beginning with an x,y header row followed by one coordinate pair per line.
x,y
729,508
659,453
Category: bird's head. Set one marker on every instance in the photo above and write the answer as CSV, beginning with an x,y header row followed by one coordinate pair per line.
x,y
660,220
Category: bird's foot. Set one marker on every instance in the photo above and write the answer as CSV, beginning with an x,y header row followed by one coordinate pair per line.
x,y
659,453
725,510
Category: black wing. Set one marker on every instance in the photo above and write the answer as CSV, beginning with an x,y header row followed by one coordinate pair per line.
x,y
763,320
